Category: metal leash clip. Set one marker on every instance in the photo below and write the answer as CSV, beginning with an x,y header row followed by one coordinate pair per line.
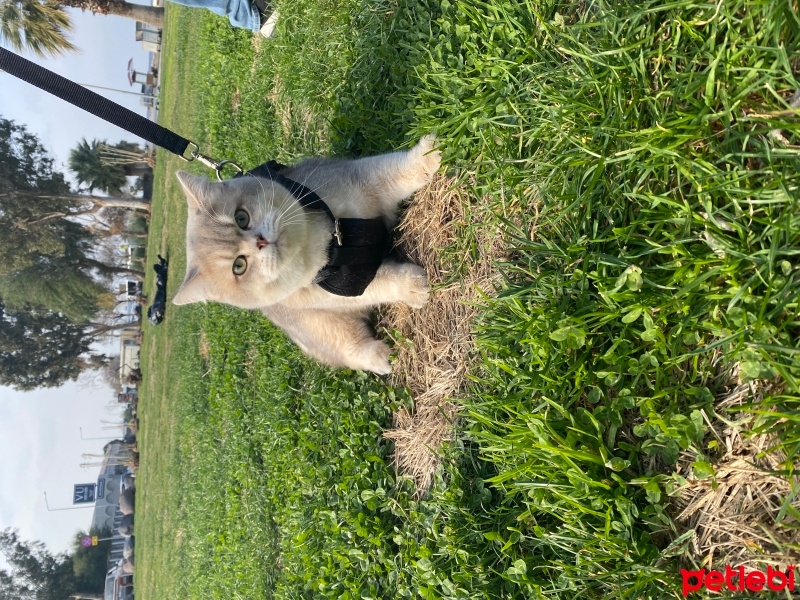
x,y
217,165
337,232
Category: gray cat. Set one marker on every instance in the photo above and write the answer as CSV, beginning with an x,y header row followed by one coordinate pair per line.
x,y
251,243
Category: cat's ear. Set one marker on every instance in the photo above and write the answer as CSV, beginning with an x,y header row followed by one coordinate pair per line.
x,y
195,186
192,289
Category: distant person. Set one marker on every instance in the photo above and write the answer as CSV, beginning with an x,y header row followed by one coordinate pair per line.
x,y
256,16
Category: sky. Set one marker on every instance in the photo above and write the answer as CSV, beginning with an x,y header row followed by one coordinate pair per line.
x,y
40,440
106,44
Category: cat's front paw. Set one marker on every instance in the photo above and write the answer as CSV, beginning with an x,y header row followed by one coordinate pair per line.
x,y
429,157
416,287
375,358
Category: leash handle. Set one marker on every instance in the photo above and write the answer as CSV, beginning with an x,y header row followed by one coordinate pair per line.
x,y
102,107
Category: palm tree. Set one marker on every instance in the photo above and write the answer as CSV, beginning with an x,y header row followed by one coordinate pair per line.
x,y
41,26
132,158
152,15
87,165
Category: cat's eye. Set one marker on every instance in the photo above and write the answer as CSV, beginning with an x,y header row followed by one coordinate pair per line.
x,y
239,265
242,220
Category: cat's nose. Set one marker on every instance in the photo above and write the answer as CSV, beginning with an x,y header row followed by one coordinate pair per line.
x,y
261,242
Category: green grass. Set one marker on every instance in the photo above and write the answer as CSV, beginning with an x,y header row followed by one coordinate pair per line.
x,y
634,140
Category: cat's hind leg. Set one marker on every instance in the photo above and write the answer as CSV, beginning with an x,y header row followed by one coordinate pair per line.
x,y
339,339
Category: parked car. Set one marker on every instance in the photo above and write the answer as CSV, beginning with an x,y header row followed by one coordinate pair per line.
x,y
119,585
127,500
126,525
127,481
127,548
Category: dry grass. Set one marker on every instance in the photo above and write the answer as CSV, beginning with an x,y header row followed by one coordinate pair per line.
x,y
204,348
294,118
735,513
435,362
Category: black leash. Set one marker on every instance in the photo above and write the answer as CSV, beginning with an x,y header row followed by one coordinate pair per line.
x,y
107,110
357,246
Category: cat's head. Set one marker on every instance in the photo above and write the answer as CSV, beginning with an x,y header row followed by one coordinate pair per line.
x,y
245,241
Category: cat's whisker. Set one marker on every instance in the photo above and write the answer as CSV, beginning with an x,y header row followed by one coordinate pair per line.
x,y
314,191
262,197
319,187
310,191
289,213
309,174
211,214
291,209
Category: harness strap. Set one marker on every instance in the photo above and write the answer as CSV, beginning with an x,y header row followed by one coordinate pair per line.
x,y
365,242
91,102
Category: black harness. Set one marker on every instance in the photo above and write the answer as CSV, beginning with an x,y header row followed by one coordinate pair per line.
x,y
357,246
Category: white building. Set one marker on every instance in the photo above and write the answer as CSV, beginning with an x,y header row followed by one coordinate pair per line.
x,y
106,509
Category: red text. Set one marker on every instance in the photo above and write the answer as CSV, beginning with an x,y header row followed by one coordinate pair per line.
x,y
737,580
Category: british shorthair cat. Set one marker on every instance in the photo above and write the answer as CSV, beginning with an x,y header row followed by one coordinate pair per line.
x,y
251,243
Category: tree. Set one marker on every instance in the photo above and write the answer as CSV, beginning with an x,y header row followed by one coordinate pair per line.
x,y
41,236
86,162
90,564
136,160
29,188
106,168
152,15
110,374
52,291
34,573
42,349
38,26
122,223
41,26
72,292
26,163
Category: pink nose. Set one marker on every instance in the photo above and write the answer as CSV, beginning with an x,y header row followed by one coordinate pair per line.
x,y
261,242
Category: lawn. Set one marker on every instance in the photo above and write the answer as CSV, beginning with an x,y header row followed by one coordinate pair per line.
x,y
630,387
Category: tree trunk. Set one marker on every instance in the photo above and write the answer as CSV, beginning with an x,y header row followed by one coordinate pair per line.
x,y
128,202
112,270
136,169
96,330
151,15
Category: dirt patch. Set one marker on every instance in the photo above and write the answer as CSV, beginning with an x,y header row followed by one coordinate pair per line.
x,y
435,362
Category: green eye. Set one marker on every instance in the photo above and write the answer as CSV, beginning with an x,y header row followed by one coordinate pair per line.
x,y
239,265
242,218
